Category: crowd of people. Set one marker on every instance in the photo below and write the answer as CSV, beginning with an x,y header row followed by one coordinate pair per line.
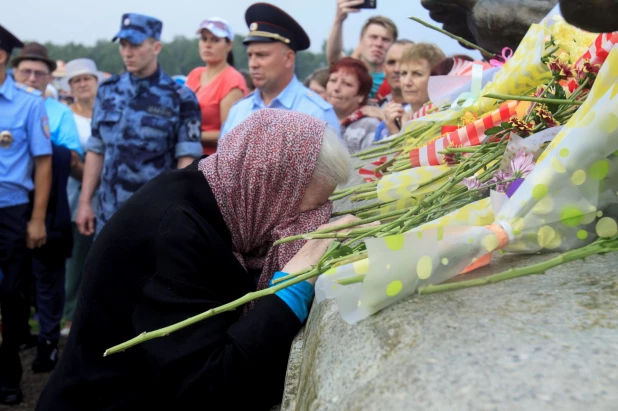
x,y
99,234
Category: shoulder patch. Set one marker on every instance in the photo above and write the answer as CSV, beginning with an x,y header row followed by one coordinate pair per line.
x,y
315,98
184,92
27,89
45,126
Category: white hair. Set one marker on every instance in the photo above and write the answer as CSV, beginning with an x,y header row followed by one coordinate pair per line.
x,y
333,162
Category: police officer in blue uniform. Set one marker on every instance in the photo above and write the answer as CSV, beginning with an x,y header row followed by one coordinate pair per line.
x,y
143,123
24,145
273,40
34,68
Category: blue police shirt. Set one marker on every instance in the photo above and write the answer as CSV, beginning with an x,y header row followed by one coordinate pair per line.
x,y
62,125
295,97
24,134
141,126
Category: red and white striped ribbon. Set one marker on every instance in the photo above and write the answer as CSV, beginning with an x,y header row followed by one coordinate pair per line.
x,y
472,134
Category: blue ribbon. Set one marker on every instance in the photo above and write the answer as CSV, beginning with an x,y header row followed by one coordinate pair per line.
x,y
470,97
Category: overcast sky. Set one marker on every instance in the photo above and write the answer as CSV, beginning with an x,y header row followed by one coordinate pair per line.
x,y
84,21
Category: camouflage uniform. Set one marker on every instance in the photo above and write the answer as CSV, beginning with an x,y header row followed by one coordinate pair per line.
x,y
141,126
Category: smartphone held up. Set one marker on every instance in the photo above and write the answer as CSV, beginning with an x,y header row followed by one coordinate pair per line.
x,y
367,4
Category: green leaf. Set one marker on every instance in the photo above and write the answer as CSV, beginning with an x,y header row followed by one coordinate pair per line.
x,y
505,125
334,250
493,130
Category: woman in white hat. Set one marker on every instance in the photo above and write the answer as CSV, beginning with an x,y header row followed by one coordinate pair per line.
x,y
218,85
82,79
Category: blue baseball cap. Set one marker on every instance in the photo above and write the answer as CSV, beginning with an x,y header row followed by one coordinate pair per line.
x,y
136,28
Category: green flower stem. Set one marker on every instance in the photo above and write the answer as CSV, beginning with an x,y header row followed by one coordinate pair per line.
x,y
424,204
162,332
550,52
336,262
365,196
395,142
381,153
351,280
598,247
386,165
531,109
358,187
506,97
339,228
338,235
459,39
354,211
602,246
579,89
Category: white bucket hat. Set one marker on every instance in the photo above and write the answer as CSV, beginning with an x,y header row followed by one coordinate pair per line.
x,y
218,27
80,67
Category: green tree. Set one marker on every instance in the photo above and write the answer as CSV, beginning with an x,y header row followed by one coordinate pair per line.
x,y
178,56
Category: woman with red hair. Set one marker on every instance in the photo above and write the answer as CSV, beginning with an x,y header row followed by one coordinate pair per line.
x,y
347,89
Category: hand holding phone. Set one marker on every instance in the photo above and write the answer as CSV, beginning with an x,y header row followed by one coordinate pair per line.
x,y
347,6
367,4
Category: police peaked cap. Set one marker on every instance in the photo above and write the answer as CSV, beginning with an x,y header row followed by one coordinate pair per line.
x,y
8,41
268,23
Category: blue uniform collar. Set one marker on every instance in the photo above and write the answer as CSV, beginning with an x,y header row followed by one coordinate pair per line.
x,y
285,98
7,89
150,80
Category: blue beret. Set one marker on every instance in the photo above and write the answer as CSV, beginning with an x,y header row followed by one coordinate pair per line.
x,y
136,28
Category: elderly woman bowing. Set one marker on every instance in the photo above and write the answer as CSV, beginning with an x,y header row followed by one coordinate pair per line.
x,y
191,240
347,89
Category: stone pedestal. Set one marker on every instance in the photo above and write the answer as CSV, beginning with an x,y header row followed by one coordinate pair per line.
x,y
543,342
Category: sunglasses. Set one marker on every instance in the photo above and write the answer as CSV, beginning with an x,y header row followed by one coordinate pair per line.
x,y
218,24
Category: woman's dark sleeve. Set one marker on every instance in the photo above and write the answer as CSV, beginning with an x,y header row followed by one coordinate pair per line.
x,y
225,360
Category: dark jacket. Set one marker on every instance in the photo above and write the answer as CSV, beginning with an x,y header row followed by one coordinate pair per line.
x,y
163,257
58,216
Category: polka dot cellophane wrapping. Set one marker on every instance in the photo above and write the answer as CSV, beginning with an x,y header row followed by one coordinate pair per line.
x,y
522,72
568,201
530,145
561,204
478,213
406,183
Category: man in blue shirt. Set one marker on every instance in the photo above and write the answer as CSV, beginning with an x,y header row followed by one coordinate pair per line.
x,y
24,144
143,123
33,67
272,43
376,36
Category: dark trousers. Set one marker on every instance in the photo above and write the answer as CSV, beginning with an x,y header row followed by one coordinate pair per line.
x,y
14,289
75,265
48,267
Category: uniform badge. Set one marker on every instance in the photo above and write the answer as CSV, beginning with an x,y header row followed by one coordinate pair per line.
x,y
253,27
6,139
45,126
193,129
127,22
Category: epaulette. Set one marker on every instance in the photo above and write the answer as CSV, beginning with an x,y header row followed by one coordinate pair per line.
x,y
27,89
247,96
314,97
110,80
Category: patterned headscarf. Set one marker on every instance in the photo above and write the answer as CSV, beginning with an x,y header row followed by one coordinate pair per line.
x,y
258,176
